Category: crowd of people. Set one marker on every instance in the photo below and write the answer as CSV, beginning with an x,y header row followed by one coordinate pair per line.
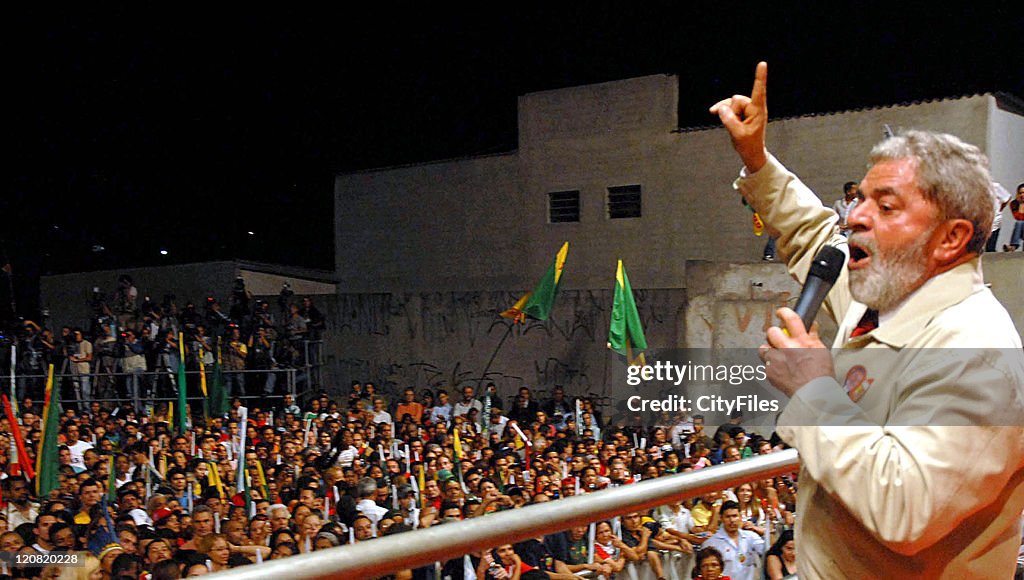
x,y
131,347
266,483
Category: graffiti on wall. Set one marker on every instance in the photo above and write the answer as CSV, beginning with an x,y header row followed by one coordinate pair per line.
x,y
453,339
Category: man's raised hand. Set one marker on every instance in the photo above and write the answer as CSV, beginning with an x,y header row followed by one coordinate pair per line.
x,y
746,118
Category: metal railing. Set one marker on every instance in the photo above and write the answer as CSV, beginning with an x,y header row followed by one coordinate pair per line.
x,y
106,381
411,550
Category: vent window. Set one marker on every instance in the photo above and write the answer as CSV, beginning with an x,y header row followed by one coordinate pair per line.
x,y
624,201
563,207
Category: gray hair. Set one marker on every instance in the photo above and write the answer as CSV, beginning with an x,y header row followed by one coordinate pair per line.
x,y
952,174
367,487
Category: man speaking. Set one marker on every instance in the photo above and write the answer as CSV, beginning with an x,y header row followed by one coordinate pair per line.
x,y
909,431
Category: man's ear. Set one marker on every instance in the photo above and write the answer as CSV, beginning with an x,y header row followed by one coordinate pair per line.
x,y
954,236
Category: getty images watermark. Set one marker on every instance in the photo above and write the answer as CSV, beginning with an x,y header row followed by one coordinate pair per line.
x,y
669,373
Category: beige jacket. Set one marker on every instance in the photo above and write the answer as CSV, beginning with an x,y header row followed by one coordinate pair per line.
x,y
913,454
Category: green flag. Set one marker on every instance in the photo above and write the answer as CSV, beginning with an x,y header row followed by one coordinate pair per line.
x,y
46,460
218,390
182,387
112,482
538,302
626,335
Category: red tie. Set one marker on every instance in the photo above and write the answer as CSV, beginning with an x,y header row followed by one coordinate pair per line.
x,y
867,323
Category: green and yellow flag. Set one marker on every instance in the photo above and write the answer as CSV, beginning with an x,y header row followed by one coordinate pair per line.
x,y
213,479
538,302
46,460
182,387
202,385
626,335
112,482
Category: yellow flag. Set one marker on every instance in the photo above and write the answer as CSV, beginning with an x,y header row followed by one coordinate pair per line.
x,y
423,483
202,373
457,446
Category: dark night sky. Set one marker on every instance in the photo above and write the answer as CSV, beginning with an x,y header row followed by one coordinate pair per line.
x,y
142,130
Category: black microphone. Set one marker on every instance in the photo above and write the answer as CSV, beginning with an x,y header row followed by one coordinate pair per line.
x,y
823,274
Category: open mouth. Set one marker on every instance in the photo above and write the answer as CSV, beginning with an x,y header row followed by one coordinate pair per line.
x,y
858,256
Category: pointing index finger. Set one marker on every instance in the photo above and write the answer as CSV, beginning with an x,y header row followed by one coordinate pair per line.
x,y
759,94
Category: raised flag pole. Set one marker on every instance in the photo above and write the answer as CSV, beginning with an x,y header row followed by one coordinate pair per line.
x,y
14,388
494,355
579,417
536,303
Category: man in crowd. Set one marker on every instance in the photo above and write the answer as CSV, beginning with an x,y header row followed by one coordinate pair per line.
x,y
409,406
467,402
42,533
80,356
20,509
741,549
89,495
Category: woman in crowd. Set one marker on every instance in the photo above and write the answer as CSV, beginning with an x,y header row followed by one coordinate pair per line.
x,y
216,549
710,565
754,517
609,549
781,559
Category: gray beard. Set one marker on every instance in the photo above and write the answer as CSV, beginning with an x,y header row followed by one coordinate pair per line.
x,y
889,279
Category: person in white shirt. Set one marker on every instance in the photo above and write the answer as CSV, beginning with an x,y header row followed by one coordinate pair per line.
x,y
442,411
497,422
380,415
366,490
845,205
680,432
77,447
675,519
